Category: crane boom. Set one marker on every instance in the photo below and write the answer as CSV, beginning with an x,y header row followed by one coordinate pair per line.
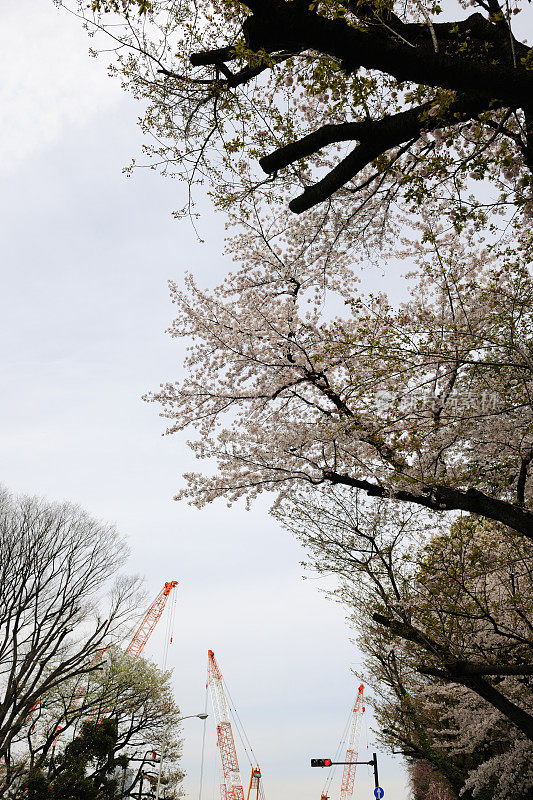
x,y
135,647
150,620
147,625
348,776
232,788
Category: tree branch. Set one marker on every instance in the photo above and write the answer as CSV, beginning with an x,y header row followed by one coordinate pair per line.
x,y
446,498
376,138
467,668
483,80
483,688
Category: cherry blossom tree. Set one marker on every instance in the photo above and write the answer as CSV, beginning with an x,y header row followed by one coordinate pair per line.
x,y
328,132
426,784
428,404
450,656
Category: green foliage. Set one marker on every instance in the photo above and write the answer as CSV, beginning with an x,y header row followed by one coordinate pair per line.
x,y
121,710
122,6
527,61
84,771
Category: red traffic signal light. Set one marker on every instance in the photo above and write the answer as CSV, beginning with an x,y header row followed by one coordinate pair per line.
x,y
321,762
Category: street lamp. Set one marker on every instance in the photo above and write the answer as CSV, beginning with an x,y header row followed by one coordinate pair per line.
x,y
202,715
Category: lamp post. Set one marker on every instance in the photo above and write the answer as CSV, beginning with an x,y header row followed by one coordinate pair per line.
x,y
203,715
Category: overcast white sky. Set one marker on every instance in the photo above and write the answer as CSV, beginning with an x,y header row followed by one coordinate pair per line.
x,y
86,254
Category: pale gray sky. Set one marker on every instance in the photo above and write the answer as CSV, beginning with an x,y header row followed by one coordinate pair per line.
x,y
86,254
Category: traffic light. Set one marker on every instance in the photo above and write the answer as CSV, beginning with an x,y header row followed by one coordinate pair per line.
x,y
321,762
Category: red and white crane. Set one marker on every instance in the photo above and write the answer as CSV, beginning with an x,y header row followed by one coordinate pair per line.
x,y
350,740
135,647
149,621
232,788
348,776
144,630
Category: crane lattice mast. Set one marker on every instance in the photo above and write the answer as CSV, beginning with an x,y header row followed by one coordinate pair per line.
x,y
232,788
150,620
348,776
145,629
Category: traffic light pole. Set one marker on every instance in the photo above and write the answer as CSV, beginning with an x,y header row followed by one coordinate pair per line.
x,y
327,762
373,763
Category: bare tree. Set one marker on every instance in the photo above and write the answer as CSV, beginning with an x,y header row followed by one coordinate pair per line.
x,y
61,604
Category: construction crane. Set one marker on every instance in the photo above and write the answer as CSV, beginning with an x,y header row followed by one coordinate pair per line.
x,y
348,775
144,630
350,740
135,647
232,788
149,621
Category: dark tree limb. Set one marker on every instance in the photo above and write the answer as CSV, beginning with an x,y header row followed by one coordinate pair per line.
x,y
467,668
447,498
277,25
218,59
522,476
486,74
450,672
389,132
379,137
215,57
